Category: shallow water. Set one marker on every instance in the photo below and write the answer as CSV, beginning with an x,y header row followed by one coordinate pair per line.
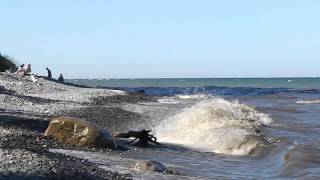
x,y
232,133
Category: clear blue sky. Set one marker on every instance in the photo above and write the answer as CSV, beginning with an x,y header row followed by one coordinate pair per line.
x,y
165,38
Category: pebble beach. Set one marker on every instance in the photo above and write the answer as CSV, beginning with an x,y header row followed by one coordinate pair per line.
x,y
26,109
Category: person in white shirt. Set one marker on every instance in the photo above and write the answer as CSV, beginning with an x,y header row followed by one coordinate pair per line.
x,y
20,69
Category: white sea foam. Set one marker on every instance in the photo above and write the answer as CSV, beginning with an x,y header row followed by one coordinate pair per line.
x,y
195,96
168,101
215,125
308,102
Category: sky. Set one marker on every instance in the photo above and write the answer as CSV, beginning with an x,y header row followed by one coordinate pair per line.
x,y
164,39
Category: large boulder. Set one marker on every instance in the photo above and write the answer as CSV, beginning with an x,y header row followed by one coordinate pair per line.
x,y
79,132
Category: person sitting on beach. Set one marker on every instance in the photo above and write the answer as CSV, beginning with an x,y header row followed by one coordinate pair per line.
x,y
49,73
27,71
61,79
20,69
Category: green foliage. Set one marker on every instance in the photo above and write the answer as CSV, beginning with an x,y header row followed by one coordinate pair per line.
x,y
6,63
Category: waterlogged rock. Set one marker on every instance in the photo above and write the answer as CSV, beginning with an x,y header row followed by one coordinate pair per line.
x,y
150,166
105,139
79,132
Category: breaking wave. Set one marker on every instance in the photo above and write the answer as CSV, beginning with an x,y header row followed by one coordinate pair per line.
x,y
216,125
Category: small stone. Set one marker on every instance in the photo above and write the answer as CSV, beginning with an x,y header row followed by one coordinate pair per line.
x,y
54,170
150,166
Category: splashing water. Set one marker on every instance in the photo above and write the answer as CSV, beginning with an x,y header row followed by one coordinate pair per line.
x,y
215,125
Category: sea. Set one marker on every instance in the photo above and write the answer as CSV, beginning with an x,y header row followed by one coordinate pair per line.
x,y
224,128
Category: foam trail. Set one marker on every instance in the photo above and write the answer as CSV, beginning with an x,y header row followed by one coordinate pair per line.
x,y
215,125
309,102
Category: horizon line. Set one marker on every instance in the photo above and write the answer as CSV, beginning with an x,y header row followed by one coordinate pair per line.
x,y
284,77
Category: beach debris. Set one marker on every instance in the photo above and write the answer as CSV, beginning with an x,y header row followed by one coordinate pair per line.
x,y
79,132
143,136
153,166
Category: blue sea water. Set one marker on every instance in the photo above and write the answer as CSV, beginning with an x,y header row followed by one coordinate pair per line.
x,y
298,83
216,86
253,128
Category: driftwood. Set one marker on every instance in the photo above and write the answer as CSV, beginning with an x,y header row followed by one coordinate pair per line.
x,y
143,136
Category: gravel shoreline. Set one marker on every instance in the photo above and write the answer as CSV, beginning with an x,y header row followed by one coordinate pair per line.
x,y
25,111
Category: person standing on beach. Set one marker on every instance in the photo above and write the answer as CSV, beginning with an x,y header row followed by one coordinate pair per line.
x,y
49,73
61,79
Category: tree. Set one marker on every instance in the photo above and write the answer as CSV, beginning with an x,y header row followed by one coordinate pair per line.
x,y
6,63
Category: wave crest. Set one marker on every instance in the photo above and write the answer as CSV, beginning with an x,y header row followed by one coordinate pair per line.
x,y
215,125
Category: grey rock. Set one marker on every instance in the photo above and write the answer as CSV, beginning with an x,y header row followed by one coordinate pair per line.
x,y
153,166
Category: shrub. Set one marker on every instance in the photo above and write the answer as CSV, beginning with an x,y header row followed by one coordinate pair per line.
x,y
6,63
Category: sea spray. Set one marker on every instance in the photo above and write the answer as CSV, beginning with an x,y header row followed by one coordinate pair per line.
x,y
215,125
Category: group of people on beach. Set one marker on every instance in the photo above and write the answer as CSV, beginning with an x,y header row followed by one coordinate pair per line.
x,y
49,76
25,70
